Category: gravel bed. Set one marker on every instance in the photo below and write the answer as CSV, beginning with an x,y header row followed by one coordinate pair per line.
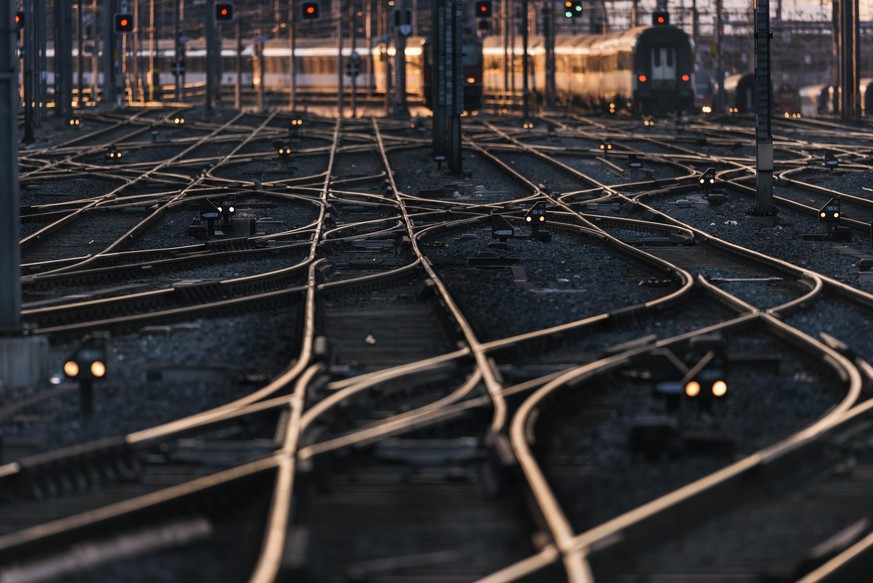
x,y
487,182
763,407
137,155
273,213
540,172
727,222
91,234
847,321
238,266
42,191
854,183
694,313
231,356
269,169
536,294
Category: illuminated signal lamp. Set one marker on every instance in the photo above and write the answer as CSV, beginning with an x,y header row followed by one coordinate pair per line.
x,y
86,365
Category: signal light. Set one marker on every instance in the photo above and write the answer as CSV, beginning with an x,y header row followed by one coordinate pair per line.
x,y
123,22
660,18
483,9
19,20
572,8
310,10
223,12
643,78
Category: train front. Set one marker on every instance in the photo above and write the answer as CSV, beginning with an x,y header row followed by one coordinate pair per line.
x,y
663,65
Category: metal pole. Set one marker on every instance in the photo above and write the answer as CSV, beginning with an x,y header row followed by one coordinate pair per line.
x,y
63,58
154,74
763,111
108,55
549,25
210,52
177,51
354,61
42,66
371,74
438,79
137,92
292,41
400,66
525,82
95,60
505,10
259,55
80,43
455,87
719,68
29,62
339,59
849,101
237,89
10,252
635,13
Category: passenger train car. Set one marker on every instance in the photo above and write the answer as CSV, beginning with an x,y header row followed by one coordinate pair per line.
x,y
644,70
819,99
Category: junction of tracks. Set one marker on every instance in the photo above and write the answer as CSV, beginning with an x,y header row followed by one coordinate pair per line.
x,y
326,358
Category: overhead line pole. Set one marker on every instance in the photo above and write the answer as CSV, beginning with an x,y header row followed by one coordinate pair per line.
x,y
10,252
525,40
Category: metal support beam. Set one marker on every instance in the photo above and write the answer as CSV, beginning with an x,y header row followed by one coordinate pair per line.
x,y
340,97
109,54
549,26
765,210
10,253
210,54
29,77
154,72
400,104
525,64
292,45
63,16
849,65
448,82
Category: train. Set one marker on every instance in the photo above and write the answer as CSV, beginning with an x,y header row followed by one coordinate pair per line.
x,y
317,66
819,99
740,94
644,70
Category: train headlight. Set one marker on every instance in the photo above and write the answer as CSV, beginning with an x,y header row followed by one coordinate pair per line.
x,y
471,80
231,209
71,368
836,215
719,388
692,388
822,215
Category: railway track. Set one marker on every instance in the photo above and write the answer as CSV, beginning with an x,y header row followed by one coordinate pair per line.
x,y
506,407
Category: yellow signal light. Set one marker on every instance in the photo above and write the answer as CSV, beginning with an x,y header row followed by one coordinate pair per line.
x,y
71,368
692,388
98,369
